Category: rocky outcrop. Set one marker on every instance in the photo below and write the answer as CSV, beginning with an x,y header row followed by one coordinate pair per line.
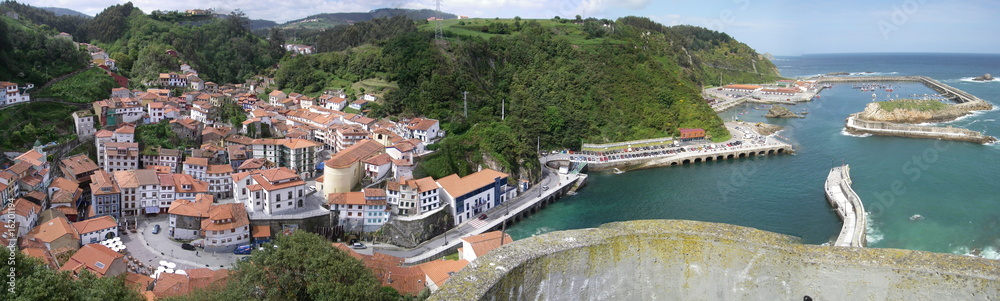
x,y
985,78
874,112
410,232
781,112
767,129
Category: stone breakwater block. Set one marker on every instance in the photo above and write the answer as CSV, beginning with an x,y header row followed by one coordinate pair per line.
x,y
684,260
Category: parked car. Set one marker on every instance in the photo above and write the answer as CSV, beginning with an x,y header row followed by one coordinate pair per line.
x,y
187,246
359,245
483,216
156,229
243,249
545,187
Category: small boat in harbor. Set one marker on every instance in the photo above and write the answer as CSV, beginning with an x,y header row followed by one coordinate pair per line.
x,y
916,217
617,171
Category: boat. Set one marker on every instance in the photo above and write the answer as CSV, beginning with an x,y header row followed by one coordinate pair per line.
x,y
916,217
617,171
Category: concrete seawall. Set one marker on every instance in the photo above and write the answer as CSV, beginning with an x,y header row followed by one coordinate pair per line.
x,y
848,206
856,125
964,99
688,260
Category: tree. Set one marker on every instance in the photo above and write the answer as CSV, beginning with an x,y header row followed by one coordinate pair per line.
x,y
36,281
300,266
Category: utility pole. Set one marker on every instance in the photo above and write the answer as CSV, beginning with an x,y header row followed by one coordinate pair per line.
x,y
465,100
438,30
503,109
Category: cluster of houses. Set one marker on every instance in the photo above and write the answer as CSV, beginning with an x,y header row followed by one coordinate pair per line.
x,y
215,191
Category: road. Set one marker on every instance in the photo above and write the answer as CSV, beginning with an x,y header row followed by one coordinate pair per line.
x,y
451,239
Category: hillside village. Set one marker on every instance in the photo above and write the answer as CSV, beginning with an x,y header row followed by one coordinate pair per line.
x,y
295,163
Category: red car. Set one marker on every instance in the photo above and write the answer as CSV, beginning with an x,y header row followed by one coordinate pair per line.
x,y
482,217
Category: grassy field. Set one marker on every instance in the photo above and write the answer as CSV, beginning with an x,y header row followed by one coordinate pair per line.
x,y
474,28
86,87
22,124
913,104
375,86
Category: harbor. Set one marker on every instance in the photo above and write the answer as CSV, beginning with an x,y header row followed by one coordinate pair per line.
x,y
623,156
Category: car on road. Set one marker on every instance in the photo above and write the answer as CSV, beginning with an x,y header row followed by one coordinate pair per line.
x,y
243,249
359,245
187,246
156,229
483,216
545,187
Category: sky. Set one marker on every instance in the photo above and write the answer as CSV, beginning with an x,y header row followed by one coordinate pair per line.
x,y
781,27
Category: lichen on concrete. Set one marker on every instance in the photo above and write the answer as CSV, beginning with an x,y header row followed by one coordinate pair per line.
x,y
683,260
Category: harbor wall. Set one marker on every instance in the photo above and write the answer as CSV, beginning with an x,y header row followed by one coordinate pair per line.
x,y
848,206
964,99
688,260
860,126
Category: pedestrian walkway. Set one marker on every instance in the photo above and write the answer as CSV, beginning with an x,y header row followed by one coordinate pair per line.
x,y
477,223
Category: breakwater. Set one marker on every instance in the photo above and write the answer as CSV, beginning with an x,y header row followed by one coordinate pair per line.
x,y
963,99
848,206
856,125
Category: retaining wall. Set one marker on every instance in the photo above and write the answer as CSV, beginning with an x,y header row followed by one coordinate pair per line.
x,y
687,260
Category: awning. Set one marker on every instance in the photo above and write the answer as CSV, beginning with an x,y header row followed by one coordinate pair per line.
x,y
152,210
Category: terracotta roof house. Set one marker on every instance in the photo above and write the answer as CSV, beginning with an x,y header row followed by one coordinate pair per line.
x,y
97,259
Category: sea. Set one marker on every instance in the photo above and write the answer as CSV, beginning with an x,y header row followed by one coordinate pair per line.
x,y
921,194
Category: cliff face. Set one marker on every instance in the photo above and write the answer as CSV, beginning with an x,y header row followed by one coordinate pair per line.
x,y
874,112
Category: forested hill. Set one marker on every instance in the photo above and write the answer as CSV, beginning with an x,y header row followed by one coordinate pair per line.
x,y
328,20
30,53
560,82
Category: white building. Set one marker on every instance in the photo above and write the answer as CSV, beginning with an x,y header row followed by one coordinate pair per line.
x,y
411,197
96,229
294,153
270,191
476,193
196,167
12,94
120,156
166,157
84,121
424,129
360,210
219,178
226,227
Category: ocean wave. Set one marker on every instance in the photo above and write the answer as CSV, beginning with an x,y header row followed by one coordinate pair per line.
x,y
845,133
969,80
542,230
866,73
872,235
987,252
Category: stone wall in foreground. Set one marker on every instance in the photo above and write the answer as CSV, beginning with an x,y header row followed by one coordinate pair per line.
x,y
687,260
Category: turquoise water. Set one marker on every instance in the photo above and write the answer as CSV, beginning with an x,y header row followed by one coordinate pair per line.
x,y
951,184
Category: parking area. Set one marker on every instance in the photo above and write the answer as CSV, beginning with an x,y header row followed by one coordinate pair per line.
x,y
149,249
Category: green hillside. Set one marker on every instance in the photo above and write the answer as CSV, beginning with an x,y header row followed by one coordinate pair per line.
x,y
29,53
560,82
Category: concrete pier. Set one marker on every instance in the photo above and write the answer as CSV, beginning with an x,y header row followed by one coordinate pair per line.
x,y
848,206
964,99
